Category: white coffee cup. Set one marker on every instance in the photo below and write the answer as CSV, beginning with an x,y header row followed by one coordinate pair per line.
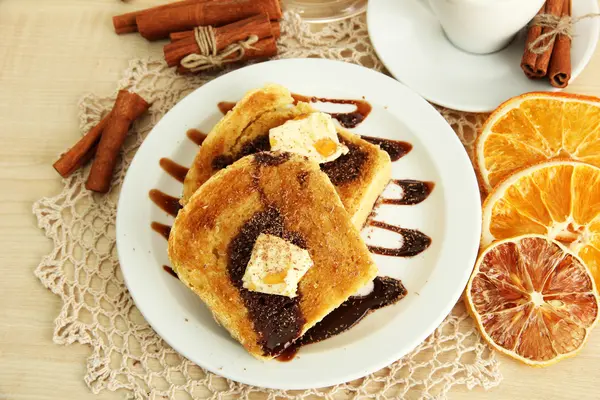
x,y
483,26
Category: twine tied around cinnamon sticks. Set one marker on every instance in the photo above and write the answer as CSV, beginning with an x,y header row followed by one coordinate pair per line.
x,y
557,25
209,57
215,45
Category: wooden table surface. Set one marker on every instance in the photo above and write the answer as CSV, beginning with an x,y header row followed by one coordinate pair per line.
x,y
52,52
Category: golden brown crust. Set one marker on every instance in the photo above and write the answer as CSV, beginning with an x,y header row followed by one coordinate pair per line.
x,y
308,204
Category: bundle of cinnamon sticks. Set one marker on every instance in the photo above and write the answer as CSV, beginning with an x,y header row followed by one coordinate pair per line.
x,y
234,21
554,62
103,143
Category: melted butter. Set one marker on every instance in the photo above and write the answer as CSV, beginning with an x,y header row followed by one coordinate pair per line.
x,y
312,135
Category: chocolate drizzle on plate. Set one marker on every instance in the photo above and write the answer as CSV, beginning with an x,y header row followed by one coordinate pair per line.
x,y
413,241
386,291
196,136
277,319
170,271
172,168
288,354
226,106
168,204
347,119
413,192
395,148
162,229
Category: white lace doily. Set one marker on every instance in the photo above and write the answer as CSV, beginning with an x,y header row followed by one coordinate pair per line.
x,y
83,268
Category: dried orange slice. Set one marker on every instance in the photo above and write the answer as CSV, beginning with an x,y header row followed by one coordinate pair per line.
x,y
536,127
559,199
532,299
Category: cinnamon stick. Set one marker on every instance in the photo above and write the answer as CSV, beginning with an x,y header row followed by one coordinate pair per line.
x,y
553,7
158,24
128,107
125,23
276,29
264,48
559,71
258,25
529,58
82,151
174,36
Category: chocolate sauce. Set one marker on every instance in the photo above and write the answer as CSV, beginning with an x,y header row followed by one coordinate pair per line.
x,y
395,148
170,271
256,145
168,204
413,192
386,291
270,159
222,161
348,119
164,230
278,320
288,354
414,241
226,106
172,168
196,136
346,167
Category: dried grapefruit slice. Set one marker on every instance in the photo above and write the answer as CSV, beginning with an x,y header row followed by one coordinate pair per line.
x,y
536,127
532,299
559,199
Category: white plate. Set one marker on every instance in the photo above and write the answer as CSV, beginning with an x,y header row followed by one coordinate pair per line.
x,y
410,42
451,216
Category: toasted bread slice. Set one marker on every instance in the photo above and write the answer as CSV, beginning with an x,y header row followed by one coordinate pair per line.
x,y
359,176
281,194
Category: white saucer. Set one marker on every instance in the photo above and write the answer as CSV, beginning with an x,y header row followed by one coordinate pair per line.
x,y
411,43
435,279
